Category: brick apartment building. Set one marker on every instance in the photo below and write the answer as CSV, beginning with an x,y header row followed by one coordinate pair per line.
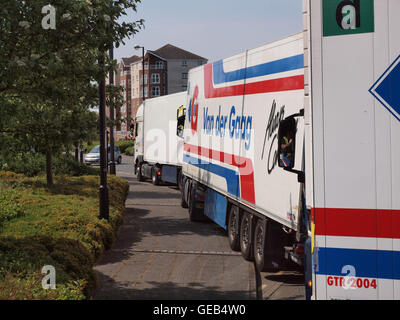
x,y
165,72
123,78
155,79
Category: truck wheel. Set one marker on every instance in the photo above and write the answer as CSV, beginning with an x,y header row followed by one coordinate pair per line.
x,y
262,247
233,228
154,177
139,173
183,200
245,237
195,214
180,180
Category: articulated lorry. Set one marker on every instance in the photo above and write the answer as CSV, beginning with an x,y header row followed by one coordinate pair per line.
x,y
293,148
159,142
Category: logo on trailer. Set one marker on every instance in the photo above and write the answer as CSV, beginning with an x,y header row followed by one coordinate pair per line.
x,y
194,110
348,15
342,17
385,89
275,117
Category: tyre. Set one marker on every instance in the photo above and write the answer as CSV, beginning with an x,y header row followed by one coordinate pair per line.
x,y
262,247
139,174
119,161
233,228
154,177
180,180
245,237
195,214
183,200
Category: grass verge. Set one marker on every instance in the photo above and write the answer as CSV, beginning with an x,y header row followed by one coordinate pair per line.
x,y
57,226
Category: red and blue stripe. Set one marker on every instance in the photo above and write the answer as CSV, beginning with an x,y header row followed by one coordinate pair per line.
x,y
214,74
239,185
277,66
362,224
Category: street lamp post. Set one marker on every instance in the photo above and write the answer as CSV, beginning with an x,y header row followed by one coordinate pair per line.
x,y
103,190
137,47
112,156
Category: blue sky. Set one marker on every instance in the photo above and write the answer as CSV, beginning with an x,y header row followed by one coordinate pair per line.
x,y
213,29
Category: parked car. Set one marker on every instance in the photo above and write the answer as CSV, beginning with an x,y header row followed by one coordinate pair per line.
x,y
93,157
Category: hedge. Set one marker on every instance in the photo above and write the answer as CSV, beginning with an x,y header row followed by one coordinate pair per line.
x,y
56,226
123,145
33,164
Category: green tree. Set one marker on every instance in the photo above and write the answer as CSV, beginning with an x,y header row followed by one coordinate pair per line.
x,y
114,100
47,76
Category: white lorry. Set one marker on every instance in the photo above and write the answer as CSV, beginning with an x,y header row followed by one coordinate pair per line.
x,y
159,142
292,148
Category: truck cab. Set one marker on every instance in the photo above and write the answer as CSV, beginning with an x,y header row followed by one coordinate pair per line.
x,y
139,139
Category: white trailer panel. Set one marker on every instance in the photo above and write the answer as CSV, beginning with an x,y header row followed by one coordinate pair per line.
x,y
233,118
161,142
355,52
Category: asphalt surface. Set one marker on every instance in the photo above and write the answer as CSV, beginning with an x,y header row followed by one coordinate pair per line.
x,y
160,254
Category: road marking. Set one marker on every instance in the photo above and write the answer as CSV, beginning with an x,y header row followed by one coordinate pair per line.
x,y
141,276
272,289
151,205
200,253
121,266
174,261
150,261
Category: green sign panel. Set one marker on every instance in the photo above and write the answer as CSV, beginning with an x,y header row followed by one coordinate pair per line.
x,y
343,17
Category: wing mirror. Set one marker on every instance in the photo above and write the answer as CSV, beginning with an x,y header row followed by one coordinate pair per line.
x,y
180,117
287,144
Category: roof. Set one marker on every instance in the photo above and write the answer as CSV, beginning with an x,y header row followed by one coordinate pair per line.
x,y
171,52
154,54
128,61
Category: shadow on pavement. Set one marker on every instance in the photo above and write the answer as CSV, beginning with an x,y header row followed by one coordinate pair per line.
x,y
294,278
164,291
143,223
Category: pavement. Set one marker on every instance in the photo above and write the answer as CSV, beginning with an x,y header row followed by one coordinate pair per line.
x,y
160,254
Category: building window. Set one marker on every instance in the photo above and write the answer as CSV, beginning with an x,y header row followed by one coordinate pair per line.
x,y
200,62
159,65
155,91
155,78
145,92
184,63
145,79
184,75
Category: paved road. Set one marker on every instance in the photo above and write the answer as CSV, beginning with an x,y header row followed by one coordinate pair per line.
x,y
160,254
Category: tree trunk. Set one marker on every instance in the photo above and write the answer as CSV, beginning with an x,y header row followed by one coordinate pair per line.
x,y
49,169
76,152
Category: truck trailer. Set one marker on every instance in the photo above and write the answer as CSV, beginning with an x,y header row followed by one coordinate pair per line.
x,y
159,141
292,148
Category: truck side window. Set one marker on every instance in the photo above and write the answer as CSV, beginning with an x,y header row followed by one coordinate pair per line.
x,y
181,113
287,142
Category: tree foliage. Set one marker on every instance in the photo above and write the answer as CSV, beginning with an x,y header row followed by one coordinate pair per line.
x,y
114,100
48,76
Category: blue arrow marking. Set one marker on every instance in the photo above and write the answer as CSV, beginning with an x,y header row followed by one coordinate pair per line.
x,y
387,89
